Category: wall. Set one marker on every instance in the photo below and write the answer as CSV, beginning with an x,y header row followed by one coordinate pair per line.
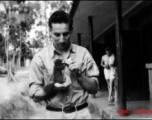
x,y
103,13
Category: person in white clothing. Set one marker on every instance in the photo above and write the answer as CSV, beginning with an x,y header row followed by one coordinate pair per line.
x,y
108,62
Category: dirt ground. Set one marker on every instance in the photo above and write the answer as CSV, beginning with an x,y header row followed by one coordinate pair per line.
x,y
15,103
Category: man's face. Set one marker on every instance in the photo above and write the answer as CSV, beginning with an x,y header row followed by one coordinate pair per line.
x,y
108,52
61,34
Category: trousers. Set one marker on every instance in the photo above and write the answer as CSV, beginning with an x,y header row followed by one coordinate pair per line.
x,y
81,114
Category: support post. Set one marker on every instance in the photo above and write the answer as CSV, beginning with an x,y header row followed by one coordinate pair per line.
x,y
90,21
79,38
120,91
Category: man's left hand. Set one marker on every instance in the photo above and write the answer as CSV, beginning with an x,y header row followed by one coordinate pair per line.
x,y
74,67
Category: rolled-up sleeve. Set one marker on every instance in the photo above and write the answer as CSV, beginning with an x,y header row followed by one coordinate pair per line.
x,y
91,67
36,76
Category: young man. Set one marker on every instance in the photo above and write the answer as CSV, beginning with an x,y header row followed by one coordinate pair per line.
x,y
63,74
108,62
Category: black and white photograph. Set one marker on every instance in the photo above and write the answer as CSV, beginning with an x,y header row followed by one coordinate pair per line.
x,y
76,59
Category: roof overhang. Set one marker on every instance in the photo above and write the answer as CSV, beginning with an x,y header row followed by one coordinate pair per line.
x,y
103,14
74,8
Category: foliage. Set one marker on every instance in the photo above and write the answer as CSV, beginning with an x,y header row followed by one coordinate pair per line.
x,y
2,46
26,51
61,5
20,18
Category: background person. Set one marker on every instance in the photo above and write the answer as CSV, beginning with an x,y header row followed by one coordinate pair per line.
x,y
108,62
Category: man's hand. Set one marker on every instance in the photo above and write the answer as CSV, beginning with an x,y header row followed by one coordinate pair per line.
x,y
64,85
74,67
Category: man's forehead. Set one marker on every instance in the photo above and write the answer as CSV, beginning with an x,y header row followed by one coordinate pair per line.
x,y
60,27
60,24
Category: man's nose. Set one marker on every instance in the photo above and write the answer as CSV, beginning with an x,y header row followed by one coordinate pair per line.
x,y
61,38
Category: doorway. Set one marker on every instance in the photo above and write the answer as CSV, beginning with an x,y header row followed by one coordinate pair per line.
x,y
134,72
109,41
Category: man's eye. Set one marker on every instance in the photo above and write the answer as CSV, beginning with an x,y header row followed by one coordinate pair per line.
x,y
66,34
57,34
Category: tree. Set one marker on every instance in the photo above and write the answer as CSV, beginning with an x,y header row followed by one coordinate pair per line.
x,y
21,19
2,48
23,16
61,5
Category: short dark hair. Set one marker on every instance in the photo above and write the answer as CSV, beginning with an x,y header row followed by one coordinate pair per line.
x,y
60,16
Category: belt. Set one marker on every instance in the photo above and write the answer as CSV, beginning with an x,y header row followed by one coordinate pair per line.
x,y
68,109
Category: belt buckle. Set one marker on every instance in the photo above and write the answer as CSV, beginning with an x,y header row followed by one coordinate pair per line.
x,y
69,109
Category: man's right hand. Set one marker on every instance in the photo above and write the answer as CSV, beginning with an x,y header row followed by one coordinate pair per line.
x,y
64,85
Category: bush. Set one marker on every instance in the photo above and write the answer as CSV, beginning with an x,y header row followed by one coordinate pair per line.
x,y
3,70
15,102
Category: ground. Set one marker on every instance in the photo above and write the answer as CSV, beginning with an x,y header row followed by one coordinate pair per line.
x,y
100,101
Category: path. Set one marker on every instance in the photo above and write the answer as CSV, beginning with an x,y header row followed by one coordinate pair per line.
x,y
101,100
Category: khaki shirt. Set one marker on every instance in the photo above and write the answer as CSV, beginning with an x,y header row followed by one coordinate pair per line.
x,y
41,73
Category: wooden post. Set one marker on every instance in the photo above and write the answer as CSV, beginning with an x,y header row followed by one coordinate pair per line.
x,y
120,96
79,38
90,21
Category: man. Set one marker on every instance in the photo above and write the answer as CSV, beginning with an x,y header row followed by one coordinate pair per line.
x,y
69,64
108,62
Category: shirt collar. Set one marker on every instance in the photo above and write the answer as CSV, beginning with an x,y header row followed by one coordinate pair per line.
x,y
54,51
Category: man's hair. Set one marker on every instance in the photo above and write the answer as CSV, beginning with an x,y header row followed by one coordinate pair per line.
x,y
60,16
108,49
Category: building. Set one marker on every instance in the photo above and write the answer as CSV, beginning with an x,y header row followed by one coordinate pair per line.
x,y
99,16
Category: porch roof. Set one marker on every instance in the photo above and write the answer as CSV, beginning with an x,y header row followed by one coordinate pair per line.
x,y
103,13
